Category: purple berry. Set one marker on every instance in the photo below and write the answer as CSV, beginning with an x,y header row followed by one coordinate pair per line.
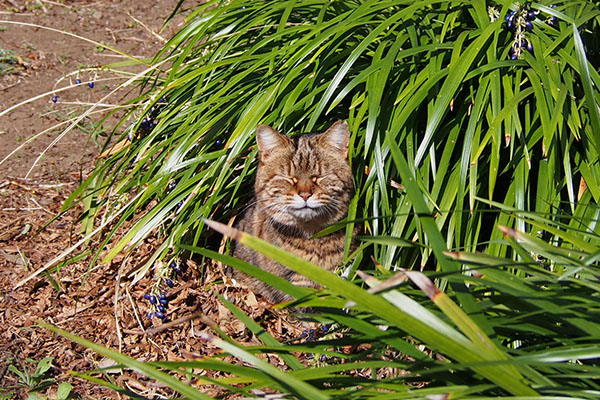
x,y
147,296
152,299
529,47
91,85
169,283
159,314
326,327
162,296
528,26
77,81
162,309
219,142
164,302
531,15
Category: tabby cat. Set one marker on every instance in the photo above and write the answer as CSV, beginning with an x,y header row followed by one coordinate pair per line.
x,y
302,185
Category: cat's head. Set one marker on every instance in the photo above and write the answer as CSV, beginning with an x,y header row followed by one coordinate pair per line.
x,y
304,180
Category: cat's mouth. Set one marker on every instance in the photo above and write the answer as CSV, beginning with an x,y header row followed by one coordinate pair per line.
x,y
305,212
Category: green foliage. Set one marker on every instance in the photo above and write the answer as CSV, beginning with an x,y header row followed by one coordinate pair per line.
x,y
38,380
10,62
479,169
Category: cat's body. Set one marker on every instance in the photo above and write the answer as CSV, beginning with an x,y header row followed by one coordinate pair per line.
x,y
301,186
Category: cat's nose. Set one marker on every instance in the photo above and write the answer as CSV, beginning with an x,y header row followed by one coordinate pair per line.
x,y
305,190
305,195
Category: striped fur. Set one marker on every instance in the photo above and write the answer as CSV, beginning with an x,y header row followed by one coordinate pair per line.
x,y
302,185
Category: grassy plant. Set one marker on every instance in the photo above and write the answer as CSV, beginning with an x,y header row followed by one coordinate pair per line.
x,y
37,381
10,62
475,140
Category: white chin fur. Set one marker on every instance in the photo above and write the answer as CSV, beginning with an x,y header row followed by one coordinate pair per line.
x,y
304,213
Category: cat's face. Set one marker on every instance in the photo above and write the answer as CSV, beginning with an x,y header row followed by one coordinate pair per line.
x,y
304,181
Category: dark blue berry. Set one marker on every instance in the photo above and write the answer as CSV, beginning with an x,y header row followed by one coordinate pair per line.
x,y
162,309
164,302
323,357
171,186
169,283
509,16
91,85
552,21
147,296
159,314
509,25
179,205
218,142
514,56
150,315
77,81
528,26
531,15
55,98
152,299
162,296
173,264
529,47
326,327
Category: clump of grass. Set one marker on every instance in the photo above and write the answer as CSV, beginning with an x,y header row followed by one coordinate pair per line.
x,y
11,62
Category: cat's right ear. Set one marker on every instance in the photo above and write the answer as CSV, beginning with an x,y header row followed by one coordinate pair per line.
x,y
269,141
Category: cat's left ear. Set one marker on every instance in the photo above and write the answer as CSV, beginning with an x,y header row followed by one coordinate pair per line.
x,y
269,142
337,136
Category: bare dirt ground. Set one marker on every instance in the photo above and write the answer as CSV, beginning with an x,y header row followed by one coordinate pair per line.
x,y
99,305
